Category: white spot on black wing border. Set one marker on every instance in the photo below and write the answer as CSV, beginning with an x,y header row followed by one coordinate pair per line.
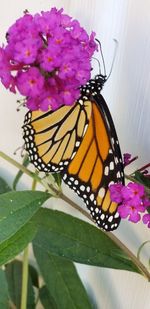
x,y
31,148
104,220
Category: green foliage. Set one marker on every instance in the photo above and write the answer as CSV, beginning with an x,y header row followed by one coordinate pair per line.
x,y
4,187
46,299
4,296
34,276
58,240
14,279
142,179
16,210
62,280
20,173
57,178
74,239
16,243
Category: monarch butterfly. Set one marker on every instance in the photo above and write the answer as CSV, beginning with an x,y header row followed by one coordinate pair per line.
x,y
80,142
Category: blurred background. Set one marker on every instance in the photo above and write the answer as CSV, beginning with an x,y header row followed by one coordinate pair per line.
x,y
127,93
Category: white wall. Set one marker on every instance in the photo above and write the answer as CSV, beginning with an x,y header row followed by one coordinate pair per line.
x,y
127,93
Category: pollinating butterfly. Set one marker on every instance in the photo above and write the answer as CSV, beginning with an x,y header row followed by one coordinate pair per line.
x,y
80,143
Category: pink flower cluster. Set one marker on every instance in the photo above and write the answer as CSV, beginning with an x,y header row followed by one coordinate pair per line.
x,y
132,201
47,59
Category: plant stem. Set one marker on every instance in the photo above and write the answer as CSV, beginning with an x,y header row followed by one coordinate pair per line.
x,y
24,280
141,247
25,170
66,199
143,167
143,270
34,183
59,194
20,167
24,292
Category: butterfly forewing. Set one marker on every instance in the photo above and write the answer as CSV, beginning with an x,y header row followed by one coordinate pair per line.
x,y
52,138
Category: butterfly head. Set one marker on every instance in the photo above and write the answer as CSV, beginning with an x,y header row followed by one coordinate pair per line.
x,y
100,81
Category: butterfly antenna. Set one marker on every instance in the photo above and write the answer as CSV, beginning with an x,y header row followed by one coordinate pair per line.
x,y
21,102
114,57
98,64
102,56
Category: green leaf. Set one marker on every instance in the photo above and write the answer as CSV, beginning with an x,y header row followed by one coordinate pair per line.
x,y
64,235
25,163
4,296
62,280
34,276
142,179
57,178
14,279
4,187
15,244
45,298
16,209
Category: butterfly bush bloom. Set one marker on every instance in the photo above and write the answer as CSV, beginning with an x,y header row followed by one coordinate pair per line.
x,y
132,201
47,59
30,83
127,159
146,219
6,78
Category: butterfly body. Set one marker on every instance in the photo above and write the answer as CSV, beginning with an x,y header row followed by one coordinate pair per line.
x,y
94,86
80,142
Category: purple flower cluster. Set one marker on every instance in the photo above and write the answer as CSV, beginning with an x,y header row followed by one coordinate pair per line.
x,y
47,59
132,201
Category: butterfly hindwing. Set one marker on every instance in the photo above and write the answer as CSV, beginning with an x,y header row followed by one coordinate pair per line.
x,y
95,166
